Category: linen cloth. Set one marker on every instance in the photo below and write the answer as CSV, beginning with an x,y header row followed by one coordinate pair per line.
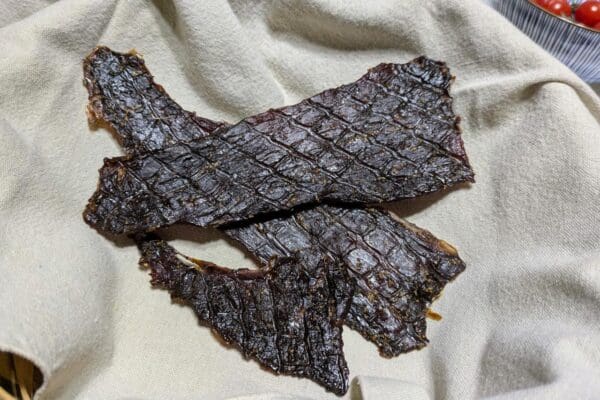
x,y
521,322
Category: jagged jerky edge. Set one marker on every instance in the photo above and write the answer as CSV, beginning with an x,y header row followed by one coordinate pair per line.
x,y
285,316
122,94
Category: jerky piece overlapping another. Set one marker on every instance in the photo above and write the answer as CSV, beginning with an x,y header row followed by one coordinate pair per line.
x,y
371,141
285,316
381,253
400,269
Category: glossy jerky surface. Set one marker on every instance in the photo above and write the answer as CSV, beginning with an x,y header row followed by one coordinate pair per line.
x,y
123,94
285,316
388,136
399,268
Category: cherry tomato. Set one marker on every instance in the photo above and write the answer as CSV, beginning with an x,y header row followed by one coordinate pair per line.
x,y
597,27
588,13
543,3
559,7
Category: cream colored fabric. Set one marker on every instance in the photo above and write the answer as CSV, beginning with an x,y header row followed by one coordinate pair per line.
x,y
521,323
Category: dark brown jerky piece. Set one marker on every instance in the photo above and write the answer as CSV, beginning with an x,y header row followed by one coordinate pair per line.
x,y
387,251
388,136
122,93
399,269
284,316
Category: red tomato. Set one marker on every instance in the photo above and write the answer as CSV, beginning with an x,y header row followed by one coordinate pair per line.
x,y
543,3
588,13
559,7
597,27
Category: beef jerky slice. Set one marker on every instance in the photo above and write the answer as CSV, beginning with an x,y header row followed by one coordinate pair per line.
x,y
283,316
378,250
399,269
123,94
390,135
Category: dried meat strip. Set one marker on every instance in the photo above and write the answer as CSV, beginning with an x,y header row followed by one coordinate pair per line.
x,y
378,251
123,94
285,316
399,269
388,136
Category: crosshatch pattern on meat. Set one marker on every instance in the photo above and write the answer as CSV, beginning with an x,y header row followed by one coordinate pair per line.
x,y
390,135
285,316
382,254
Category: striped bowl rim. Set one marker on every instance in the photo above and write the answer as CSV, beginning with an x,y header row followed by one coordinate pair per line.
x,y
569,21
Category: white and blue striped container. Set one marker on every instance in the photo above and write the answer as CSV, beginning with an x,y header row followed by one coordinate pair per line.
x,y
576,46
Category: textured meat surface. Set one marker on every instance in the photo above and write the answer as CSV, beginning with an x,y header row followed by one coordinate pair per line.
x,y
399,269
394,263
123,94
285,316
390,135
